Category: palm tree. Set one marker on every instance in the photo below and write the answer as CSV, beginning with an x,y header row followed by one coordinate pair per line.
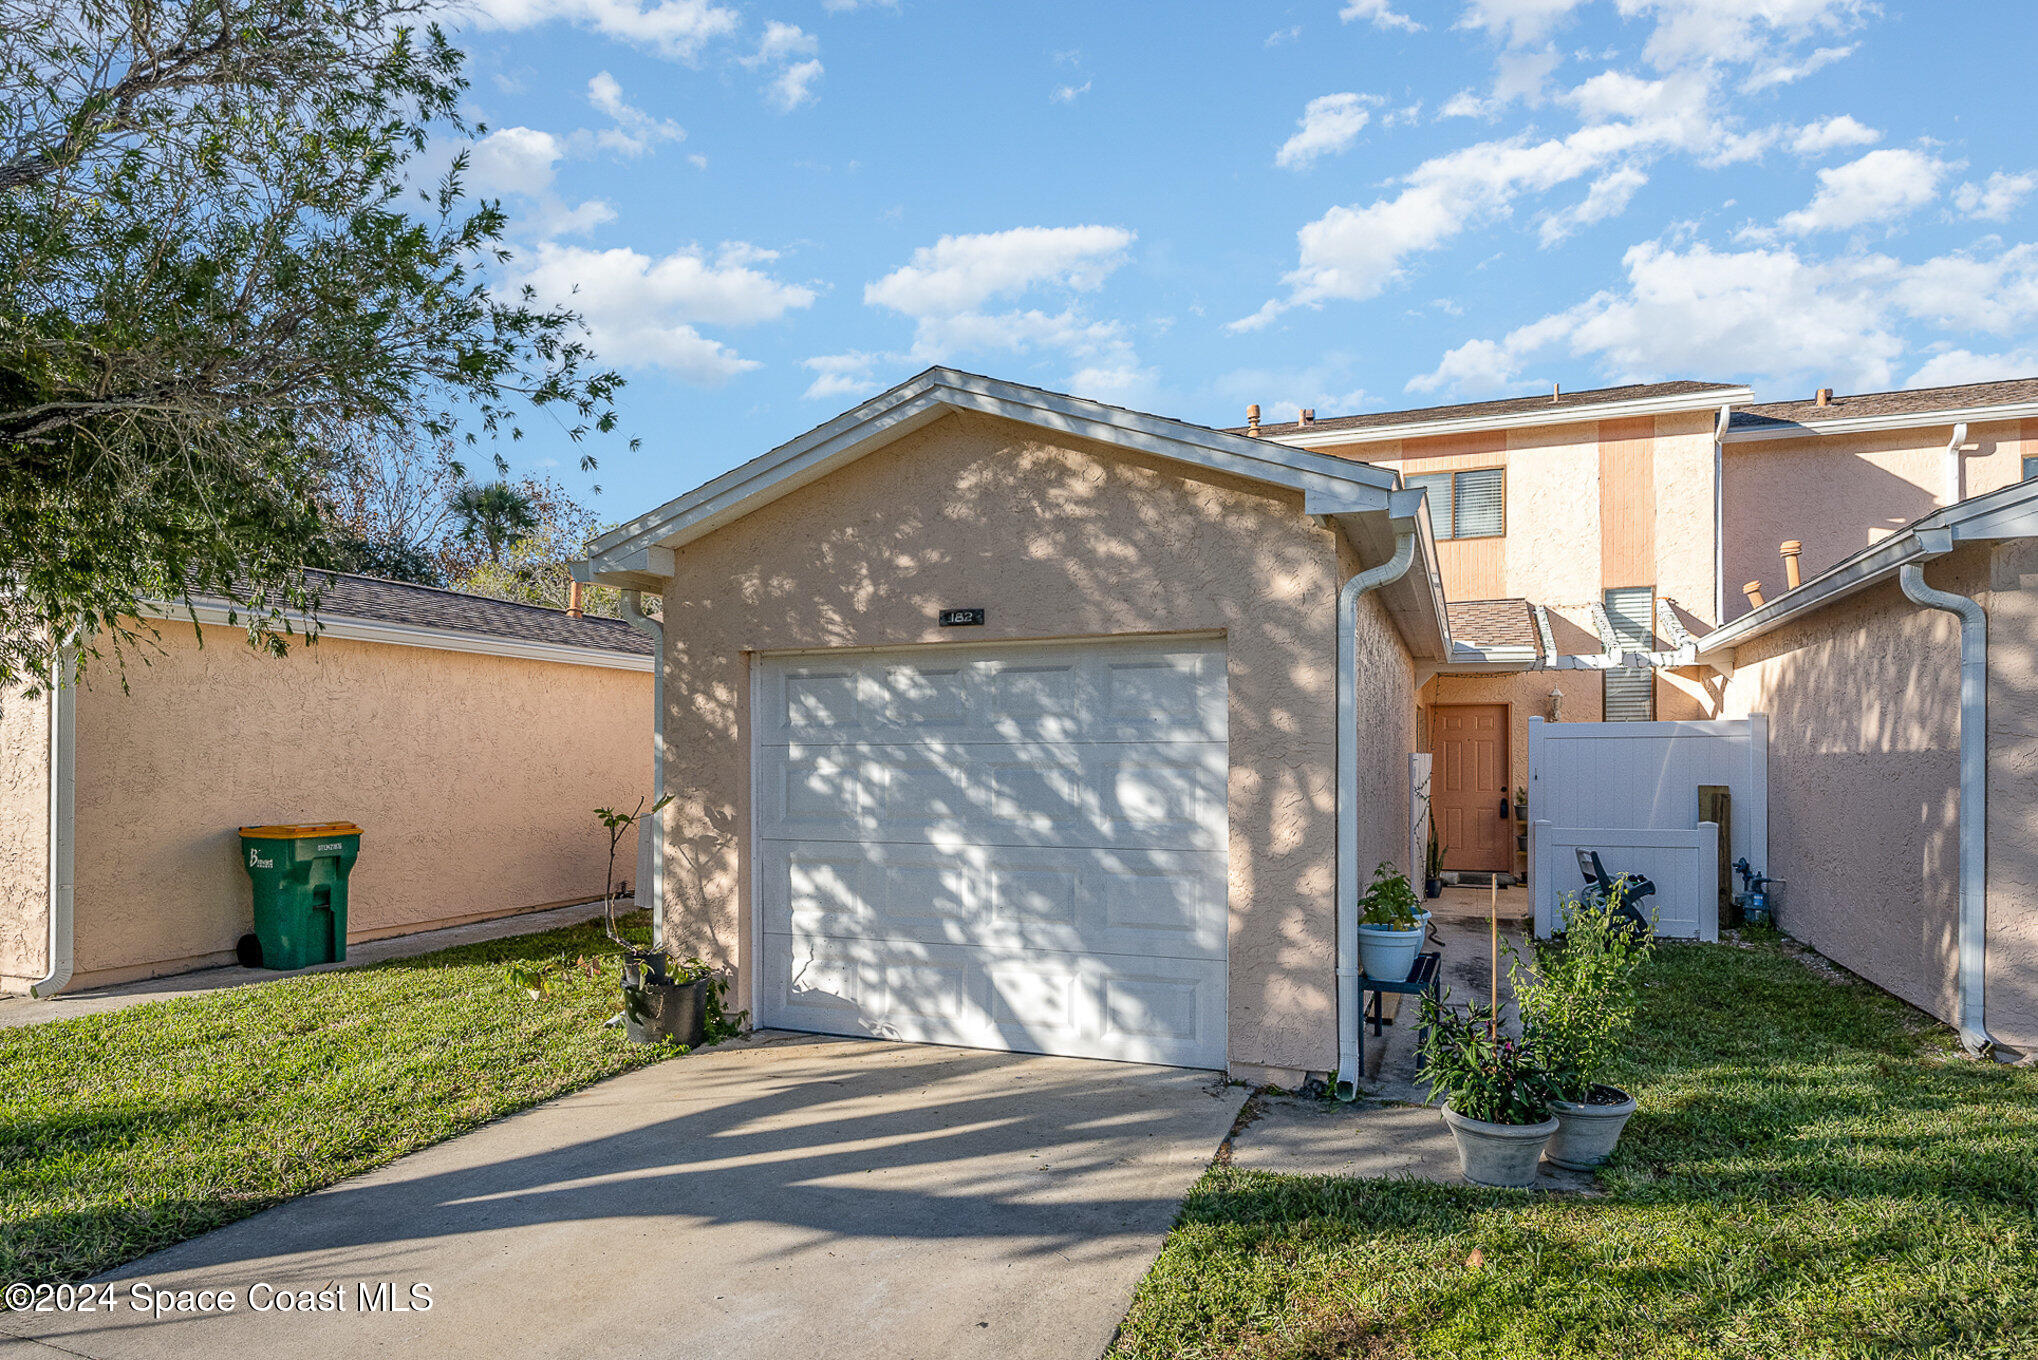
x,y
494,514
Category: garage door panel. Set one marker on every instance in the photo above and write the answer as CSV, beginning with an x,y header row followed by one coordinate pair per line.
x,y
1090,1006
1007,847
1133,902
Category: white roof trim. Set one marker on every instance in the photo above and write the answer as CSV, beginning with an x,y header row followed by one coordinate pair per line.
x,y
1913,420
938,391
1710,399
409,635
2011,512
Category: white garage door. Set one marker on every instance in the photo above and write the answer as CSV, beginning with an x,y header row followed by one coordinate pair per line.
x,y
1013,847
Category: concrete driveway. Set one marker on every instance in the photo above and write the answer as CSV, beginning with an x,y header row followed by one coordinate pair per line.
x,y
777,1197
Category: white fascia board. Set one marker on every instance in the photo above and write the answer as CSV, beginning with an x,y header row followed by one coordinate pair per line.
x,y
1514,657
929,396
407,635
2010,512
1950,416
1710,400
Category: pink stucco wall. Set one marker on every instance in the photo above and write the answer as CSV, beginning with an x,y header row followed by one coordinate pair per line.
x,y
472,777
1056,539
1864,705
1838,494
24,839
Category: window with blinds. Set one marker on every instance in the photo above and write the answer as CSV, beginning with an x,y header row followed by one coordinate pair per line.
x,y
1631,694
1470,504
2030,468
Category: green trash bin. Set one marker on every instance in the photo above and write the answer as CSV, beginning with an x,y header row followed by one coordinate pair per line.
x,y
300,879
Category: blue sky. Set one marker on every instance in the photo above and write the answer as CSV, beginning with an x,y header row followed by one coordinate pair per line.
x,y
768,211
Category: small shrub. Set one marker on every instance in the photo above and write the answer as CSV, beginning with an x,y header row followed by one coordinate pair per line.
x,y
1577,996
1483,1073
1389,900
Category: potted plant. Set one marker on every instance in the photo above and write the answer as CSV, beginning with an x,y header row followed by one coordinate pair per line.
x,y
1433,868
1496,1096
664,1001
1577,1002
1390,926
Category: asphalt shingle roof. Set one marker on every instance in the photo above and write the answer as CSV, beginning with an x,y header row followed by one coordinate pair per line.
x,y
1492,623
1506,406
371,598
1772,414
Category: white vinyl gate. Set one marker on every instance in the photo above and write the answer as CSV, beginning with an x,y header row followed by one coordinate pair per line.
x,y
1018,847
1630,791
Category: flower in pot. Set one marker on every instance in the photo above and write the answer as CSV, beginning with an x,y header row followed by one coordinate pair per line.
x,y
1390,926
1496,1095
1577,1001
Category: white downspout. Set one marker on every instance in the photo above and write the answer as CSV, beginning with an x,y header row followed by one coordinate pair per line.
x,y
651,863
1973,829
1719,516
1954,481
1348,1018
62,828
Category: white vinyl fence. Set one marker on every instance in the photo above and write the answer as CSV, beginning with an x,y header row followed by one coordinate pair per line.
x,y
1684,866
1630,791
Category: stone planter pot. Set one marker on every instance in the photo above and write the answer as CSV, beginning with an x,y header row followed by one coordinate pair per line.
x,y
1387,953
1586,1133
1498,1154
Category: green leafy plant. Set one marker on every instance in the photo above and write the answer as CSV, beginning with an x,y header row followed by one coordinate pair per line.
x,y
1577,995
1483,1073
529,975
618,824
1389,900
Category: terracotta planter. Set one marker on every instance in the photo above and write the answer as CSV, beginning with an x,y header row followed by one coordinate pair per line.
x,y
1498,1154
1586,1134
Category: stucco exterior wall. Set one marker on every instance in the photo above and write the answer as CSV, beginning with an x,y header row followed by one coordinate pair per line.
x,y
24,839
1055,539
1837,494
473,778
2012,998
1863,701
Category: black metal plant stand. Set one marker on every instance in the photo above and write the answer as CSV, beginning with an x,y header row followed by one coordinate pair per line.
x,y
1424,978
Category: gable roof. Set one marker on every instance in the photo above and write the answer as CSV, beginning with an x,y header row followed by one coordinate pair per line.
x,y
1597,403
1365,501
2011,399
373,609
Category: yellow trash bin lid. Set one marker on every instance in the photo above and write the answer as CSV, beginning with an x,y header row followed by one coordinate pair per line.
x,y
309,831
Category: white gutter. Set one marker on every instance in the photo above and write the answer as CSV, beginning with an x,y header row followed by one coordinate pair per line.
x,y
1973,825
407,635
63,758
1348,1017
1555,414
1790,429
1719,515
1953,478
651,857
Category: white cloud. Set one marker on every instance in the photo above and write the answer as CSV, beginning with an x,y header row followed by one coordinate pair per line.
x,y
1379,13
1879,186
1995,200
851,374
1830,134
783,42
1700,311
643,311
1693,33
958,273
514,160
792,55
945,287
849,6
1957,366
794,85
1787,70
1517,22
1329,123
1069,94
1966,292
1518,78
672,28
634,130
1283,35
1608,196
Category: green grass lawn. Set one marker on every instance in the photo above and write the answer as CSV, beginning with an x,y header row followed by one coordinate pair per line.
x,y
1814,1172
125,1132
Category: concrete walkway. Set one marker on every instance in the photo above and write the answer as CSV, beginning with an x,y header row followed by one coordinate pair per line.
x,y
775,1197
23,1010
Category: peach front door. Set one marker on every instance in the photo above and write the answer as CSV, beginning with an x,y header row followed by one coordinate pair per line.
x,y
1470,791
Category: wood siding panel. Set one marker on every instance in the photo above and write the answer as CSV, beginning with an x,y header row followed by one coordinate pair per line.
x,y
1627,502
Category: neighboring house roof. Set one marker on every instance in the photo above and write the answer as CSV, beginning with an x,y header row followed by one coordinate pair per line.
x,y
1544,409
1487,624
2011,512
1365,501
371,609
2011,399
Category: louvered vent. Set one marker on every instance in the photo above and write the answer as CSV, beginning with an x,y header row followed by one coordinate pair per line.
x,y
1631,694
